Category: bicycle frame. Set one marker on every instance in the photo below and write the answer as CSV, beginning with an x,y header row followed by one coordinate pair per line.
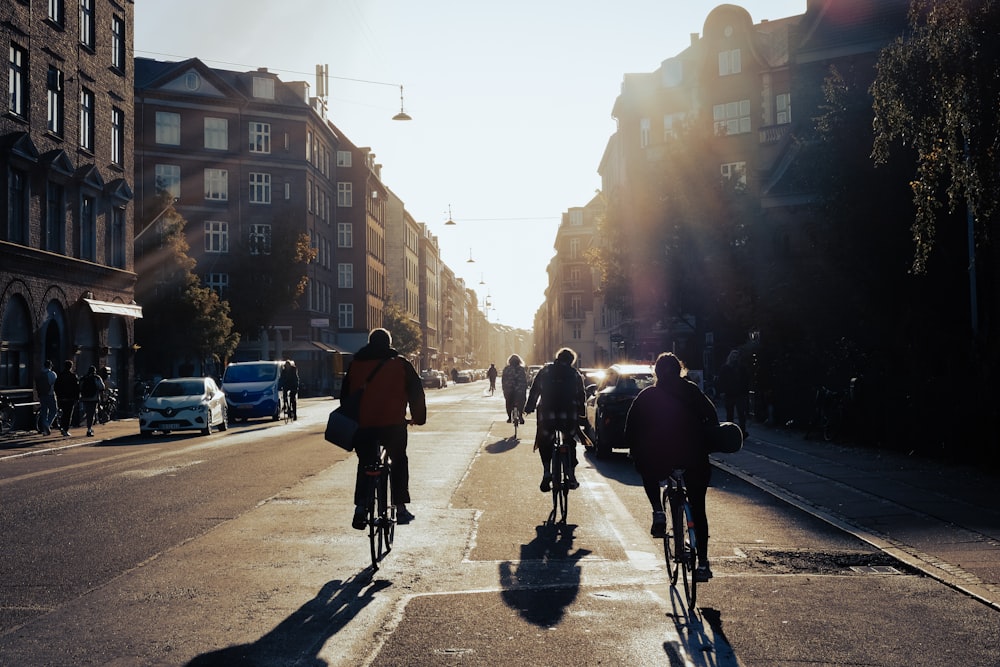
x,y
680,544
562,474
381,513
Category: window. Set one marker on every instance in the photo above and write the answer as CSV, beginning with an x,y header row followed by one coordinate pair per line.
x,y
573,277
575,307
577,331
730,62
345,315
168,128
55,221
672,123
216,236
260,188
56,14
117,136
576,218
88,228
732,117
87,23
783,108
345,276
736,174
86,119
309,143
54,90
574,248
260,239
260,137
643,132
116,238
168,179
217,184
118,43
263,87
343,158
217,133
217,282
17,206
344,195
345,235
18,80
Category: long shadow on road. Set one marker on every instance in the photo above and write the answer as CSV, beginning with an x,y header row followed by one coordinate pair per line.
x,y
547,578
298,639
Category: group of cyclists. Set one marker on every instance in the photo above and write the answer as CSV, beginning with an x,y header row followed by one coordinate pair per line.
x,y
664,426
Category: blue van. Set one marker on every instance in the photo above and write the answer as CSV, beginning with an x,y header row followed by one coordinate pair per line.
x,y
251,389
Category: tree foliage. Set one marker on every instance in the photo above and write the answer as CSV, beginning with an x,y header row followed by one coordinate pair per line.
x,y
406,336
936,93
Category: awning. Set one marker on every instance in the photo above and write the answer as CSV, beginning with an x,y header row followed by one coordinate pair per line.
x,y
110,308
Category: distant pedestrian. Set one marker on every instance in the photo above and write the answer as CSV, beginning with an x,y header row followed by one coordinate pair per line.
x,y
67,388
734,384
45,388
91,390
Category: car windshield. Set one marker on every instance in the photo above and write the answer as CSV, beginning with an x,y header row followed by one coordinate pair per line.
x,y
167,388
635,382
250,373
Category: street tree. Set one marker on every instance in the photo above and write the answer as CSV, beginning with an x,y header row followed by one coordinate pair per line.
x,y
406,336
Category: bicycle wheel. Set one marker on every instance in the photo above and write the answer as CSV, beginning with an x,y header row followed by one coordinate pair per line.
x,y
688,557
669,550
515,416
6,418
387,517
372,519
561,468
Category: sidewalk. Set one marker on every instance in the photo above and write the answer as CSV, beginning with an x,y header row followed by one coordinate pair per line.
x,y
939,518
27,443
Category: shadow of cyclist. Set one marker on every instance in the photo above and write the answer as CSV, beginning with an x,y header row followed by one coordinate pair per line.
x,y
298,639
547,578
701,637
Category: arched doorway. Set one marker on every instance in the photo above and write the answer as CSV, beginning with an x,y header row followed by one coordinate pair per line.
x,y
15,344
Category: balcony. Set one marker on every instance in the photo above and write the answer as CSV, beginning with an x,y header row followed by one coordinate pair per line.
x,y
774,134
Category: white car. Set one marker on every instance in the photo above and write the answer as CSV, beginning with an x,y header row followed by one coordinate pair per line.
x,y
184,404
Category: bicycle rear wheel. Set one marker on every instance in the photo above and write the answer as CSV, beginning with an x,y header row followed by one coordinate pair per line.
x,y
374,534
669,542
6,418
387,514
561,469
515,417
689,557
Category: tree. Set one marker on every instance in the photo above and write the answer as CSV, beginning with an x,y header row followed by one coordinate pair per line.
x,y
269,276
406,335
183,322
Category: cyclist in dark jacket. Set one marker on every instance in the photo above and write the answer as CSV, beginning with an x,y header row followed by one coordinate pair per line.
x,y
560,388
665,430
393,387
514,383
289,385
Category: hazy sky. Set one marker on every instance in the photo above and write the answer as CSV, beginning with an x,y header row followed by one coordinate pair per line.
x,y
511,101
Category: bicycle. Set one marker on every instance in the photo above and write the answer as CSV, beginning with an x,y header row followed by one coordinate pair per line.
x,y
107,408
515,417
381,513
290,406
286,410
7,414
680,544
563,478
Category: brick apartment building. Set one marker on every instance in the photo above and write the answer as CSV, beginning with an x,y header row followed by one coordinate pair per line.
x,y
66,261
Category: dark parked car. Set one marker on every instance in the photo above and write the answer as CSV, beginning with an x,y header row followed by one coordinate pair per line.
x,y
608,403
433,379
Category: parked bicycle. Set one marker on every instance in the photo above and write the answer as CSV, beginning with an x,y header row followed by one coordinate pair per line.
x,y
7,414
380,512
107,408
680,545
828,415
563,479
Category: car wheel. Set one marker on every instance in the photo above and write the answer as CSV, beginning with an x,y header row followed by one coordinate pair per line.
x,y
224,425
601,447
208,429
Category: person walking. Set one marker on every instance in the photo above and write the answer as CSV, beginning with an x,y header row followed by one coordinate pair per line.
x,y
514,383
45,388
67,388
559,388
734,385
91,390
390,384
665,430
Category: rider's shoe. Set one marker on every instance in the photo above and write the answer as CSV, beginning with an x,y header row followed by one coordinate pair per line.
x,y
659,527
403,515
702,573
360,520
521,420
546,484
508,420
572,483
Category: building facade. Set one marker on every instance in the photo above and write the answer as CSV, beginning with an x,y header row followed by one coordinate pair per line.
x,y
66,263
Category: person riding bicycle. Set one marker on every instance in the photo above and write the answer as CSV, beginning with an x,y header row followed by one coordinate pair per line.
x,y
560,388
491,374
514,383
289,385
665,430
390,385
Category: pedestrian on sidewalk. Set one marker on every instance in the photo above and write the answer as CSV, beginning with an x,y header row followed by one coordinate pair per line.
x,y
665,430
734,384
91,389
45,388
67,388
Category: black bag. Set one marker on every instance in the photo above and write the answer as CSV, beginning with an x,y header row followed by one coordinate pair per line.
x,y
726,438
342,424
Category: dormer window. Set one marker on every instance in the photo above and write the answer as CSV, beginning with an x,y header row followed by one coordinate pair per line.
x,y
263,87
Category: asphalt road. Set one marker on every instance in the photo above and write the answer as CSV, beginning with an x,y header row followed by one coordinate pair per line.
x,y
236,549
